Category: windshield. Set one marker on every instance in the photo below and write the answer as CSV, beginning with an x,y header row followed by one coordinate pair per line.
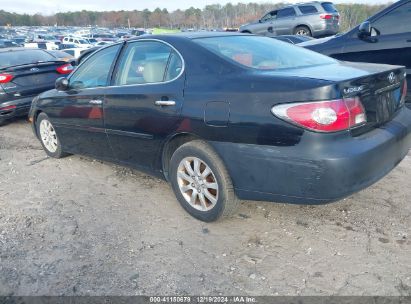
x,y
13,58
262,53
83,41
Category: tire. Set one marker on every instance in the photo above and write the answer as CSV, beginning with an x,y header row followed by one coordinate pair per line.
x,y
213,193
50,146
302,31
246,32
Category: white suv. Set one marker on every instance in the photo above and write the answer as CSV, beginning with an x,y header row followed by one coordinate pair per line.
x,y
80,42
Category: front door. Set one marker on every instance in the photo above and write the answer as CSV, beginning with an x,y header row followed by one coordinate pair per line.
x,y
390,43
78,112
143,106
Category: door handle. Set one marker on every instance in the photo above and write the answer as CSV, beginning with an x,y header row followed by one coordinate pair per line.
x,y
163,103
96,102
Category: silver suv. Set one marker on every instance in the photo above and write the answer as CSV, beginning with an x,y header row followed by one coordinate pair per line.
x,y
314,19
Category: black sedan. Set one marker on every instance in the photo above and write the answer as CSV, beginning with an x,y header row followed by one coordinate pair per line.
x,y
25,73
226,116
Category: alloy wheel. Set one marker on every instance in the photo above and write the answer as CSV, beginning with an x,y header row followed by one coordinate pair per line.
x,y
197,183
48,136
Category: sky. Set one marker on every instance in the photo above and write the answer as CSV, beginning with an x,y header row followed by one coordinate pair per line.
x,y
47,7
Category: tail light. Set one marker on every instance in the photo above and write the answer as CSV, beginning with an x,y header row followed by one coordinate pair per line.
x,y
5,78
323,116
65,69
326,16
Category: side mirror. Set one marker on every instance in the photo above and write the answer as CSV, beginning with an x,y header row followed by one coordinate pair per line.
x,y
260,21
364,31
62,84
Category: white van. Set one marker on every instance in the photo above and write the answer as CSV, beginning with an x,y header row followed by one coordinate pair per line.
x,y
80,42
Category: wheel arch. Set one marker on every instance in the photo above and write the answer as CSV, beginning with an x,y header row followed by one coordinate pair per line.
x,y
171,145
304,25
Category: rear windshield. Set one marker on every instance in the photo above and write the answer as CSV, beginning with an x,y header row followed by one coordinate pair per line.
x,y
262,53
14,58
329,7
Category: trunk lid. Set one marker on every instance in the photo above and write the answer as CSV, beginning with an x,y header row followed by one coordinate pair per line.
x,y
31,79
379,87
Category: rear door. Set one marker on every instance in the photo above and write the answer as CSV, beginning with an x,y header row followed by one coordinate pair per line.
x,y
285,21
78,112
143,106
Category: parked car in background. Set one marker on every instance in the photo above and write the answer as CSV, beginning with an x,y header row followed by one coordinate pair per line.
x,y
314,19
287,125
61,55
75,52
25,73
293,39
42,45
64,46
104,37
382,38
6,43
79,42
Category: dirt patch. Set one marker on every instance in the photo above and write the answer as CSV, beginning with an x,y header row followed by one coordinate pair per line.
x,y
77,226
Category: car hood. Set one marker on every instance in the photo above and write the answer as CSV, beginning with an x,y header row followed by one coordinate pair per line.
x,y
315,41
336,72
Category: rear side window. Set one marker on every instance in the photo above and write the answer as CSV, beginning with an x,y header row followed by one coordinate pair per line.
x,y
286,12
262,53
14,58
395,22
148,62
96,70
329,7
308,9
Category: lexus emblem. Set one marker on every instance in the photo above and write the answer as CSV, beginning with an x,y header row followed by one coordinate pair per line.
x,y
34,70
391,77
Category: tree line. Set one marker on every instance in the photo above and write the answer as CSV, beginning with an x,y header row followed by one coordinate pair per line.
x,y
210,17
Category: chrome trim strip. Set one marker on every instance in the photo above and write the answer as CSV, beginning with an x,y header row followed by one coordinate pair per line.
x,y
141,84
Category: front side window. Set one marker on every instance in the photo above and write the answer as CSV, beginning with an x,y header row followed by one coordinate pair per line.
x,y
269,16
262,53
148,62
396,21
96,70
287,12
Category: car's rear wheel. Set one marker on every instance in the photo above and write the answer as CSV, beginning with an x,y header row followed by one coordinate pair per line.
x,y
302,31
201,183
48,137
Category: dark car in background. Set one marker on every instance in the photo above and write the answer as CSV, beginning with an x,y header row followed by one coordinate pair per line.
x,y
6,43
316,19
25,73
382,38
223,116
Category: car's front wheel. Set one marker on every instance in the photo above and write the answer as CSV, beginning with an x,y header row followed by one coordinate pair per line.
x,y
201,182
48,136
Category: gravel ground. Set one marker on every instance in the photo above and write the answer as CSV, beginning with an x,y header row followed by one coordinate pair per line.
x,y
77,226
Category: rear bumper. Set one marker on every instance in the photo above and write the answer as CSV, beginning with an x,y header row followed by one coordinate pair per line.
x,y
22,108
321,168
